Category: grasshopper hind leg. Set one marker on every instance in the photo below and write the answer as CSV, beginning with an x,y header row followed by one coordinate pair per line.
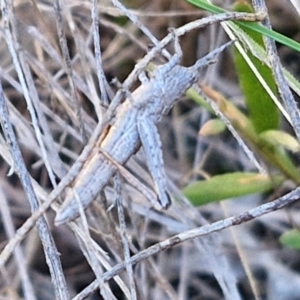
x,y
152,147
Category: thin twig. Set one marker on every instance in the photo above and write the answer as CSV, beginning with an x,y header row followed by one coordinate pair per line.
x,y
21,260
124,237
149,194
283,87
233,131
140,25
196,233
28,89
50,250
101,256
82,54
86,245
71,175
142,64
67,61
103,85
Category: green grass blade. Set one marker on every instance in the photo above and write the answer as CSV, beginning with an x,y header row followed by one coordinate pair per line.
x,y
250,25
291,239
259,102
229,185
268,149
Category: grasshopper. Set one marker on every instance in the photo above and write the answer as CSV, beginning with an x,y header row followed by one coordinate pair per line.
x,y
135,126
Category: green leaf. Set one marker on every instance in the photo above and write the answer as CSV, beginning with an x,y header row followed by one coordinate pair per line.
x,y
253,26
229,185
281,138
212,127
278,157
259,103
196,97
291,239
266,149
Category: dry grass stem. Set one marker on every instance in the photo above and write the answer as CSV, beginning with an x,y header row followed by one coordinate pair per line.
x,y
65,70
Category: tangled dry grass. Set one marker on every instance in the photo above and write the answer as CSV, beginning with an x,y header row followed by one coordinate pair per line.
x,y
53,113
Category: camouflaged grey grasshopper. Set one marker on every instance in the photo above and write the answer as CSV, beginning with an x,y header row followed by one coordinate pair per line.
x,y
135,125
